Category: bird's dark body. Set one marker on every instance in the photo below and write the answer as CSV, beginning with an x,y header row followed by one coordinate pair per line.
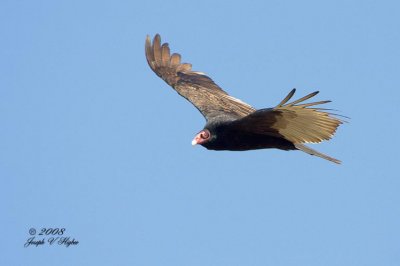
x,y
227,137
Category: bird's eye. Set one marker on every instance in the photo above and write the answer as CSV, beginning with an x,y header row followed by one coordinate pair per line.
x,y
205,135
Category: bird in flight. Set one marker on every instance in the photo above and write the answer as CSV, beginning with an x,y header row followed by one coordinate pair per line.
x,y
234,125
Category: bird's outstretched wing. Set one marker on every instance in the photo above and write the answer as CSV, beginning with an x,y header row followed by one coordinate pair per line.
x,y
297,122
301,123
196,87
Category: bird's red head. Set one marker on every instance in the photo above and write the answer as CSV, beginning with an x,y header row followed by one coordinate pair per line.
x,y
202,137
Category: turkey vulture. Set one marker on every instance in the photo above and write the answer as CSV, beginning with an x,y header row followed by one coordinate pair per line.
x,y
236,126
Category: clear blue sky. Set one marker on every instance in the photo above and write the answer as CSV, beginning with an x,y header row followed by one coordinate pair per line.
x,y
94,142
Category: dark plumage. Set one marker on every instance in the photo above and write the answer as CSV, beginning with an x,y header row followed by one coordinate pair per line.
x,y
236,126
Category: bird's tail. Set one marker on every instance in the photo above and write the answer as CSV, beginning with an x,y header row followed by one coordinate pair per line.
x,y
310,151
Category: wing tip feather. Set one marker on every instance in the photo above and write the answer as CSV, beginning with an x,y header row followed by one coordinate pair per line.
x,y
158,55
316,153
287,98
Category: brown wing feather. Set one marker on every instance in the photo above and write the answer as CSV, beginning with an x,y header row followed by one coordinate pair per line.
x,y
196,87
